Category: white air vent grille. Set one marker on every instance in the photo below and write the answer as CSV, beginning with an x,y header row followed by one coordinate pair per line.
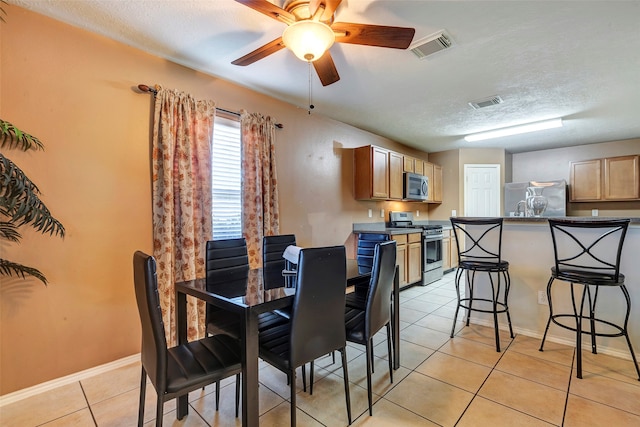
x,y
486,102
431,44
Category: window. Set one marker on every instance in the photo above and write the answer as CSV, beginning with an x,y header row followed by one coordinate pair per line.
x,y
226,168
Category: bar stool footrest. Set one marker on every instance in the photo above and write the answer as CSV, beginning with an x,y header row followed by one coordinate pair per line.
x,y
586,323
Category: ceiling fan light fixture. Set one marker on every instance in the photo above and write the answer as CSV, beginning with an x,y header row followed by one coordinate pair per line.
x,y
515,130
308,40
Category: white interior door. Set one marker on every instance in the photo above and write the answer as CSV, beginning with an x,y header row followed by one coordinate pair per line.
x,y
482,190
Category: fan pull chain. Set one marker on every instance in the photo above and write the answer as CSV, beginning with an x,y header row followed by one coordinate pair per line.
x,y
311,106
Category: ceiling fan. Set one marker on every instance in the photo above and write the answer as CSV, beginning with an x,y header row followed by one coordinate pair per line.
x,y
311,31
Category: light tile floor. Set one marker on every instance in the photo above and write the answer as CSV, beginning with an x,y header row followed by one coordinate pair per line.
x,y
442,381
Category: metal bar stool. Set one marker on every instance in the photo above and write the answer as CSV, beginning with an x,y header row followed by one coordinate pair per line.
x,y
587,253
482,254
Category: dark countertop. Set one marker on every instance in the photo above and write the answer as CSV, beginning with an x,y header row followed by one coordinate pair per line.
x,y
382,228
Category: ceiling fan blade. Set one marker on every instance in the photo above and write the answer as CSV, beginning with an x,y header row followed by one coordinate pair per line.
x,y
269,9
261,52
330,7
326,69
374,35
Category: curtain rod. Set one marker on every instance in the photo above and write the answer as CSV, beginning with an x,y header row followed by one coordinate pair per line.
x,y
148,89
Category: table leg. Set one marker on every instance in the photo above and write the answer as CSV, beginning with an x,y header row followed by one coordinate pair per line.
x,y
181,332
250,403
396,320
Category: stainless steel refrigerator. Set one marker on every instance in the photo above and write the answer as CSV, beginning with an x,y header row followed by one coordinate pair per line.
x,y
554,191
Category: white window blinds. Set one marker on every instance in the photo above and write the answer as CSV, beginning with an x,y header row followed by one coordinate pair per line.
x,y
227,175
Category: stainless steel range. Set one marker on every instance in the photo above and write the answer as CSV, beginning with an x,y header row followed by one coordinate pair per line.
x,y
431,245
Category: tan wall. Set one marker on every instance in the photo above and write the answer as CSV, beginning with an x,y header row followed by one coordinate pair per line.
x,y
452,163
545,165
74,90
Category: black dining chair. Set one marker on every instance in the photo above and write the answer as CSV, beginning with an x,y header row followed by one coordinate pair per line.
x,y
175,371
273,261
362,325
587,260
481,252
320,294
226,261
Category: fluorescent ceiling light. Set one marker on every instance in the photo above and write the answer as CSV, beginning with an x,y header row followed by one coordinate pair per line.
x,y
515,130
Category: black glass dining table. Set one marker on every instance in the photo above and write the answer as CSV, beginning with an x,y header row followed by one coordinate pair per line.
x,y
259,291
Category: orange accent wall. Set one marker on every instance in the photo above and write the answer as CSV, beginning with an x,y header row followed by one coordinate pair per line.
x,y
75,91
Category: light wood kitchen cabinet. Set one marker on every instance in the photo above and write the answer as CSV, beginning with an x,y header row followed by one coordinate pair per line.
x,y
428,172
379,174
371,166
585,181
401,257
608,179
449,250
621,178
414,258
437,184
396,166
408,164
409,257
446,250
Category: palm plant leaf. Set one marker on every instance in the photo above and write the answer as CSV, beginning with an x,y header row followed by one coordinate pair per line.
x,y
19,200
9,231
12,137
8,268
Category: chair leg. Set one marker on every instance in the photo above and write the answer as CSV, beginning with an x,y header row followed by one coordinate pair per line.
x,y
292,388
217,395
389,352
304,378
592,318
546,329
624,330
455,317
143,391
494,297
373,369
311,379
238,386
507,287
345,374
159,414
578,328
470,283
369,363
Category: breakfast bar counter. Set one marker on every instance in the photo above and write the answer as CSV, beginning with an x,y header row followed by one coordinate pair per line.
x,y
527,245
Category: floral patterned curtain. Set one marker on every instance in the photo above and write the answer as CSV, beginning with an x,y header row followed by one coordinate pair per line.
x,y
181,164
260,214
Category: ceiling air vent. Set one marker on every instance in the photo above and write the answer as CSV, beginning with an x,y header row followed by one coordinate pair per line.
x,y
486,102
431,44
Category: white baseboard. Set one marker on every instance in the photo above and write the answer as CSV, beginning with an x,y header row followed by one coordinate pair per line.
x,y
558,340
69,379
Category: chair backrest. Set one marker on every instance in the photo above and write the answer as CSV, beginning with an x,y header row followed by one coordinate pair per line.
x,y
226,258
272,249
378,310
154,344
591,246
483,239
317,316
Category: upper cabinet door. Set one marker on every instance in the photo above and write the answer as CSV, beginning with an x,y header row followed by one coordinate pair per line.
x,y
428,172
621,178
585,180
396,166
380,178
408,164
436,186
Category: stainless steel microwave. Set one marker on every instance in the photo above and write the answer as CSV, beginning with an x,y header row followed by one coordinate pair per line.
x,y
416,187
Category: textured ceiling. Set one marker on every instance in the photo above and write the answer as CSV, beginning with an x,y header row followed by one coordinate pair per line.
x,y
579,60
